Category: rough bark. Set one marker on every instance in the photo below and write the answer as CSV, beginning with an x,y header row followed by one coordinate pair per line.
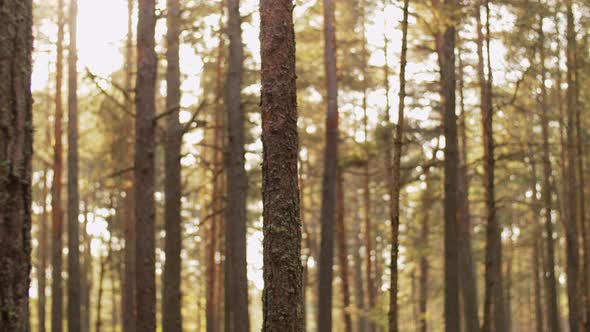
x,y
128,294
451,264
494,304
393,175
171,295
144,168
236,282
467,276
74,323
328,209
56,192
342,252
550,280
16,149
283,288
572,245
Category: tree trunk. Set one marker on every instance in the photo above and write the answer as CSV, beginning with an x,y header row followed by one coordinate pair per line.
x,y
494,318
283,288
236,281
367,231
359,297
56,208
342,252
42,252
393,176
424,247
467,276
86,282
328,208
536,257
451,264
129,290
144,168
572,247
171,295
74,323
16,148
99,298
550,280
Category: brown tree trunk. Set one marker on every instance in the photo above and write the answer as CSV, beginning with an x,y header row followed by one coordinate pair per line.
x,y
393,176
342,251
99,298
572,246
467,276
451,264
367,231
494,318
86,282
283,288
171,295
16,149
220,274
236,281
550,280
144,168
42,251
210,277
328,208
536,257
128,293
74,323
56,208
424,247
359,297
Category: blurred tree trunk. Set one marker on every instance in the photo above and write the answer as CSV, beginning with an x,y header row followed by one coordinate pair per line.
x,y
74,323
342,251
572,246
359,296
551,284
536,256
393,175
129,290
171,294
86,282
451,169
365,322
16,148
56,208
144,168
283,289
467,275
328,208
236,281
42,251
494,304
424,248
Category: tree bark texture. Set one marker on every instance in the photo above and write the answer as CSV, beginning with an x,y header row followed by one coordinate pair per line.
x,y
16,149
283,284
342,252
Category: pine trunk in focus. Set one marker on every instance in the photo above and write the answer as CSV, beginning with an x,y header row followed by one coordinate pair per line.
x,y
16,149
283,279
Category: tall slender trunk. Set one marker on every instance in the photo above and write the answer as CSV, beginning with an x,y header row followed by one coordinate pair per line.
x,y
220,274
56,208
467,276
393,176
210,277
86,281
74,323
572,246
171,294
424,247
128,293
16,149
367,231
328,208
42,251
283,288
144,168
359,298
236,282
451,264
550,280
101,275
342,251
494,318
